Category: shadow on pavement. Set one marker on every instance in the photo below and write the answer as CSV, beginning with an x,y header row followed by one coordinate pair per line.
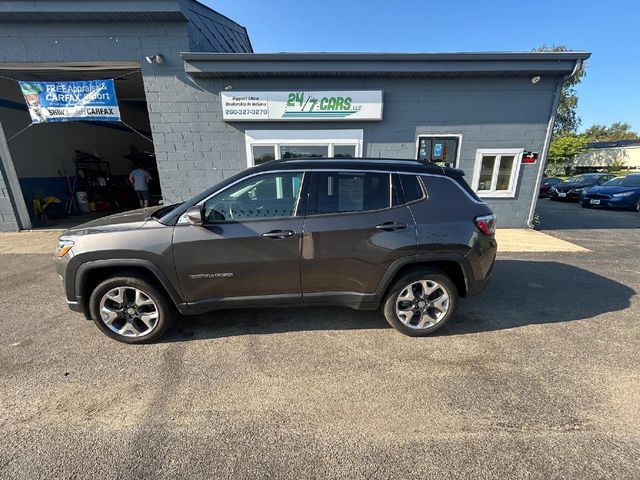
x,y
520,293
526,292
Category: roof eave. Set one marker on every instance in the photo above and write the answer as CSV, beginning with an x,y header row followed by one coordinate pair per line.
x,y
65,11
379,64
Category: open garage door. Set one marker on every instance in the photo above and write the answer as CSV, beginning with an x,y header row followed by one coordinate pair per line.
x,y
70,172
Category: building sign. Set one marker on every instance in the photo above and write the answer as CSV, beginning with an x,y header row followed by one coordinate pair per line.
x,y
69,101
300,105
529,157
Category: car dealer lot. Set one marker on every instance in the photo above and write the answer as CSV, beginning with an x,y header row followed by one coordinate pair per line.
x,y
537,377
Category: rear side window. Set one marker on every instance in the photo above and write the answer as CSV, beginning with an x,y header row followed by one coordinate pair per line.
x,y
341,192
411,187
444,189
465,186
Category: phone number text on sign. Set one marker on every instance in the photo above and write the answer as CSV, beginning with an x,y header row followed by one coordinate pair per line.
x,y
241,107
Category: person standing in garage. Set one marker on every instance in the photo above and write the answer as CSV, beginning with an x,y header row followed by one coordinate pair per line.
x,y
139,179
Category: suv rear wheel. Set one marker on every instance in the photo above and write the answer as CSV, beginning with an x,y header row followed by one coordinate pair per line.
x,y
420,303
130,310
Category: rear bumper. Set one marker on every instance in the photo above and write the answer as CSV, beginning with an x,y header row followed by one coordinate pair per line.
x,y
477,286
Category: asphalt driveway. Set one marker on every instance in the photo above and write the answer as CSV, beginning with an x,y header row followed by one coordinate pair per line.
x,y
538,377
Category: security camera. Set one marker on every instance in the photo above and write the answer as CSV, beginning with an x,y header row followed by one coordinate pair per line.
x,y
535,79
157,58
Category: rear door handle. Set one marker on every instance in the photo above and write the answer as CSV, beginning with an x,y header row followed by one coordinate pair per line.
x,y
279,234
391,226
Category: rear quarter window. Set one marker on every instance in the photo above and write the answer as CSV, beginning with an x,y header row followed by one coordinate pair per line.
x,y
442,189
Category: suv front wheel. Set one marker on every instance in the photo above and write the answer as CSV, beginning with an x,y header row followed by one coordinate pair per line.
x,y
420,303
130,310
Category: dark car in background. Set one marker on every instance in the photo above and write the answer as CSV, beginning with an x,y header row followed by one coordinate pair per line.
x,y
546,185
403,236
621,192
572,188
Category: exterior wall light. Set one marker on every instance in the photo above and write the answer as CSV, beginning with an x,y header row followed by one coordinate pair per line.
x,y
157,58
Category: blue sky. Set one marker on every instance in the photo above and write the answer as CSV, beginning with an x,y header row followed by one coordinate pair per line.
x,y
608,29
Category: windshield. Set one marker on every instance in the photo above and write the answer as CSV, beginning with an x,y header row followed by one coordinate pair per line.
x,y
582,179
630,181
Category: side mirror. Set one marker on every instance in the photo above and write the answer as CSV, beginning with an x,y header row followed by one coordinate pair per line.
x,y
194,215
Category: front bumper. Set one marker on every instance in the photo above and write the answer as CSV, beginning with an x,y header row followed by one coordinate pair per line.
x,y
613,202
570,196
60,265
75,306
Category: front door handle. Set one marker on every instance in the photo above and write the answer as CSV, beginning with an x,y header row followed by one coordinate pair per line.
x,y
279,234
391,226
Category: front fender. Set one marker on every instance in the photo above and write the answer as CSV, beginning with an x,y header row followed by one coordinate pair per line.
x,y
78,282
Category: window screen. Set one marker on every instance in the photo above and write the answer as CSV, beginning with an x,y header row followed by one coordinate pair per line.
x,y
339,192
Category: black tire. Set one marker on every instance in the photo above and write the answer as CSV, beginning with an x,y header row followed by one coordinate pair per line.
x,y
637,206
389,303
585,205
165,310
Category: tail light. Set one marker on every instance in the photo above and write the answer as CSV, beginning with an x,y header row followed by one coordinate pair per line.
x,y
486,224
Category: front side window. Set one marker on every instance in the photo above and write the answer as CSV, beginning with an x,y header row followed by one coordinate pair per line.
x,y
496,172
439,150
341,192
264,196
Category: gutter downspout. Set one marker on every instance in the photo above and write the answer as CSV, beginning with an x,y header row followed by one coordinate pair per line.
x,y
547,140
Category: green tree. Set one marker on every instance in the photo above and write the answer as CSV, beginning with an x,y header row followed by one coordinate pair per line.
x,y
563,149
617,131
567,120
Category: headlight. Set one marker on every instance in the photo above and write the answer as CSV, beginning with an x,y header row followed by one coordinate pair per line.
x,y
553,189
578,190
64,246
623,194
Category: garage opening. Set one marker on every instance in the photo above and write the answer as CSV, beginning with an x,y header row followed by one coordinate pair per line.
x,y
71,172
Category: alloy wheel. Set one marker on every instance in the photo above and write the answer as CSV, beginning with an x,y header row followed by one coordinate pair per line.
x,y
128,311
422,304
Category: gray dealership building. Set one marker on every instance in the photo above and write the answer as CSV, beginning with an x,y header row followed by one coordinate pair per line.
x,y
205,106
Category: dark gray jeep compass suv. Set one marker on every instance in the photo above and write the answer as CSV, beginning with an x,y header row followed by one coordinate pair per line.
x,y
401,234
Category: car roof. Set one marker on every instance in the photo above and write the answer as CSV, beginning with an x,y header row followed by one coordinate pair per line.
x,y
386,164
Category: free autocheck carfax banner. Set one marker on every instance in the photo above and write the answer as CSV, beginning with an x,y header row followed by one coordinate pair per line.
x,y
302,105
69,101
